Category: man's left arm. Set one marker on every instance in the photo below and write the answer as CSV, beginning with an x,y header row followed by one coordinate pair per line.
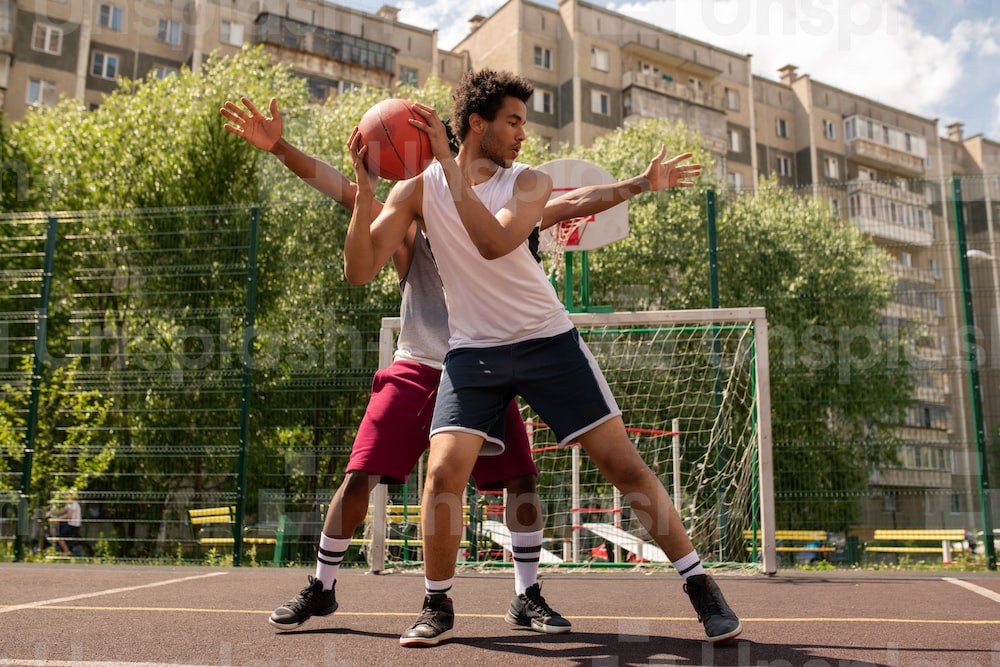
x,y
659,175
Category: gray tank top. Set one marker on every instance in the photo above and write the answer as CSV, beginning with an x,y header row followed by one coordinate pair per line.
x,y
423,314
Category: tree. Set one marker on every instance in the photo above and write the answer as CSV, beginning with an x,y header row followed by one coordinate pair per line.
x,y
73,446
840,373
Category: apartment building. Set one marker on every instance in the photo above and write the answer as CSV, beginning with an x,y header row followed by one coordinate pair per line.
x,y
79,48
595,70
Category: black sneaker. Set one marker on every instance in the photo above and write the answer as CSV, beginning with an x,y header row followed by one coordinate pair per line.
x,y
720,621
311,601
434,624
529,610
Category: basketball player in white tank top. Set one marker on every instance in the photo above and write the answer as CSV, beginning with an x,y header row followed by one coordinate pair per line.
x,y
478,210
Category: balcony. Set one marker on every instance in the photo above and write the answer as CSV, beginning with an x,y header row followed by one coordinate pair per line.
x,y
657,84
894,232
880,156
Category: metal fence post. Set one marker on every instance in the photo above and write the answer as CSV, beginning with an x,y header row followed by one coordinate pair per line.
x,y
247,385
34,398
972,367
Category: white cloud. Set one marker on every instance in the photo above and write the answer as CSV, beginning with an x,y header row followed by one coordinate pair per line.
x,y
994,129
449,17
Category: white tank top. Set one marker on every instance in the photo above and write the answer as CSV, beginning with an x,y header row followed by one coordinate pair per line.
x,y
490,302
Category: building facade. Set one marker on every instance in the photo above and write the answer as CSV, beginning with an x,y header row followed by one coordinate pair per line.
x,y
79,48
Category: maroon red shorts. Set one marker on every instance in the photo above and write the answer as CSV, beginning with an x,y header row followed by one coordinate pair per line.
x,y
395,430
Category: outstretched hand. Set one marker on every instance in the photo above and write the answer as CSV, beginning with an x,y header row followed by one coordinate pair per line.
x,y
254,127
670,173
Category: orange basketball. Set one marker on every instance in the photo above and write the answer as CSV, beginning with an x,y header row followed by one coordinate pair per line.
x,y
396,149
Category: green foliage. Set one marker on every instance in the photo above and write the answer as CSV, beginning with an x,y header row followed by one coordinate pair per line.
x,y
72,448
840,376
154,143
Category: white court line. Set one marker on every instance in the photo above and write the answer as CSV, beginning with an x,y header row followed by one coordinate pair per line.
x,y
11,662
42,603
985,592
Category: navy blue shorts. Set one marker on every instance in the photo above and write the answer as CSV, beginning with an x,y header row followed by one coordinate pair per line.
x,y
557,376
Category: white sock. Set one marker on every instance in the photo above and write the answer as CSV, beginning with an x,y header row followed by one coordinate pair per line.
x,y
689,565
328,558
527,548
438,587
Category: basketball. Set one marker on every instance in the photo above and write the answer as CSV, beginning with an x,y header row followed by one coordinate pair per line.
x,y
396,150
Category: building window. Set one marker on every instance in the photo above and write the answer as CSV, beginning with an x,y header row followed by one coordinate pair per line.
x,y
956,503
110,17
735,181
832,167
734,141
906,259
168,31
829,129
41,93
939,306
599,59
543,57
47,38
732,99
542,101
834,206
936,268
407,75
104,65
781,127
600,103
231,33
162,71
784,166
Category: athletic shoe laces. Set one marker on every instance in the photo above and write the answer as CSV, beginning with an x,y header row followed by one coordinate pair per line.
x,y
536,603
306,596
429,614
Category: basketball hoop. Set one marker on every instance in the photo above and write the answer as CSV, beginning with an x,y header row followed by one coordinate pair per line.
x,y
565,234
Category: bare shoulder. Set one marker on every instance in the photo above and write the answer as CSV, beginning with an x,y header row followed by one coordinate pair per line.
x,y
408,193
534,182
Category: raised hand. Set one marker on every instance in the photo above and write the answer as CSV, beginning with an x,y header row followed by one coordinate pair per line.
x,y
670,173
365,179
434,128
254,127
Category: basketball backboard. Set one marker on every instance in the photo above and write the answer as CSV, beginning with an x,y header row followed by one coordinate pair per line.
x,y
596,230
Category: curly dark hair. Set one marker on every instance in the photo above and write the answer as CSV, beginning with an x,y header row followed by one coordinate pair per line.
x,y
483,93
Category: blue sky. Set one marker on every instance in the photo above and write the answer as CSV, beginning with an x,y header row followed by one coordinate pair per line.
x,y
935,58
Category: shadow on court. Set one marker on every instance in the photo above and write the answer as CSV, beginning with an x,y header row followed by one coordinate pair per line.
x,y
59,615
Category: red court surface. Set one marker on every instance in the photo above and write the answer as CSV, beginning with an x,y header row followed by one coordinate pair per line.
x,y
55,615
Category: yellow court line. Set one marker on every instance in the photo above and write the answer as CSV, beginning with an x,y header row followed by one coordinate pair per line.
x,y
669,619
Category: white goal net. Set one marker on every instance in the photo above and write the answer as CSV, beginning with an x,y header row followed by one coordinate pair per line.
x,y
694,391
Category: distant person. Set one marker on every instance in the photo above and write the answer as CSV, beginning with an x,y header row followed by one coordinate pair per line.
x,y
68,521
970,538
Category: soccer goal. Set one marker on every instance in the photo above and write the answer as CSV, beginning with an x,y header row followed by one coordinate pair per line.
x,y
693,386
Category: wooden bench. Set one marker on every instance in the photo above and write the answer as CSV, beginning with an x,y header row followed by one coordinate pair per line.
x,y
213,527
916,541
804,541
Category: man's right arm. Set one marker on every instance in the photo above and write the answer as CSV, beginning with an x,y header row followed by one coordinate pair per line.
x,y
376,231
